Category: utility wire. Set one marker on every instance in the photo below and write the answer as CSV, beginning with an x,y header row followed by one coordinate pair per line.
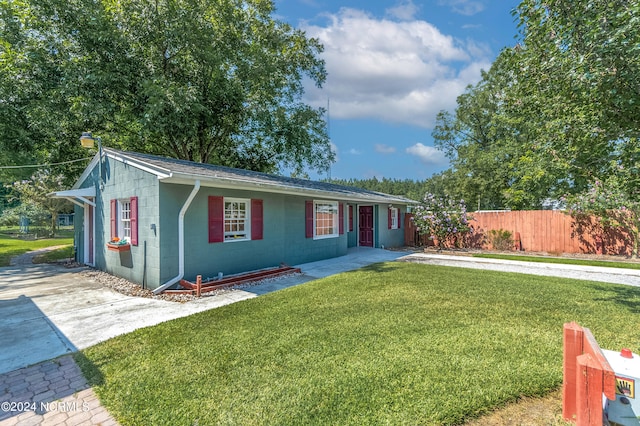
x,y
45,165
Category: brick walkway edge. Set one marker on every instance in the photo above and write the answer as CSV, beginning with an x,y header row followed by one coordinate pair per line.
x,y
50,393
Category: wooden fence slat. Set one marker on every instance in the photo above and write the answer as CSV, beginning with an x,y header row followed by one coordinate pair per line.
x,y
572,348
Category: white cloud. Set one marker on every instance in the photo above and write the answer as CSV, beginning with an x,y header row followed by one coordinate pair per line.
x,y
399,72
463,7
354,151
404,11
427,154
384,149
335,150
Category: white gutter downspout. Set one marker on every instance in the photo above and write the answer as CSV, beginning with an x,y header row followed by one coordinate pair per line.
x,y
183,211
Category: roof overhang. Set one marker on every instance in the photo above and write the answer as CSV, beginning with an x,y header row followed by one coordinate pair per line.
x,y
77,196
188,179
175,177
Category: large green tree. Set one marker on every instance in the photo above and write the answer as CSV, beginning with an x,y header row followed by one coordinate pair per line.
x,y
578,70
211,81
555,113
489,143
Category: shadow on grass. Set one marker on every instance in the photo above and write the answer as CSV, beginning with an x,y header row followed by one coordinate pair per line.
x,y
626,296
379,267
89,369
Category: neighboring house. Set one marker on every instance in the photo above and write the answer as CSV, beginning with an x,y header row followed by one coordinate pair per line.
x,y
179,219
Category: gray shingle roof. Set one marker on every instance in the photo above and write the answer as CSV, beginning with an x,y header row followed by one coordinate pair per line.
x,y
174,170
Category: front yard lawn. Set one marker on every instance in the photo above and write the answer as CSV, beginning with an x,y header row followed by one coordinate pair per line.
x,y
11,246
393,343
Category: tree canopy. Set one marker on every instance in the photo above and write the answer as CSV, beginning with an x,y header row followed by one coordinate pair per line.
x,y
210,81
555,113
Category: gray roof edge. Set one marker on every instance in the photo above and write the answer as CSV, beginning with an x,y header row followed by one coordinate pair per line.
x,y
173,170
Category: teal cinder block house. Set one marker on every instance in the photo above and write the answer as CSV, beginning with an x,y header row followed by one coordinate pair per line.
x,y
175,219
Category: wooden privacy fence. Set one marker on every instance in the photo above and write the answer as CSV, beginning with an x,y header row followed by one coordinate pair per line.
x,y
539,231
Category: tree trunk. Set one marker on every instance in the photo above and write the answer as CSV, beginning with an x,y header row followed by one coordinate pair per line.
x,y
54,224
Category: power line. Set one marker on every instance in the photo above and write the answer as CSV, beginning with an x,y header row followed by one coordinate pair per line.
x,y
45,165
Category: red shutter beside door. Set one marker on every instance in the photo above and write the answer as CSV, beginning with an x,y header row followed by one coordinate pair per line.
x,y
134,221
257,227
341,218
389,220
114,219
309,219
216,219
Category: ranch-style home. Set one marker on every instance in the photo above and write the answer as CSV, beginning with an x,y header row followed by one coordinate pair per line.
x,y
155,220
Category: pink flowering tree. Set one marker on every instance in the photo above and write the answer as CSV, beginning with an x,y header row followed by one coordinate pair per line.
x,y
442,219
614,203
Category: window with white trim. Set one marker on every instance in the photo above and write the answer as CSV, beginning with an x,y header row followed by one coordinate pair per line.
x,y
237,219
325,219
124,224
394,218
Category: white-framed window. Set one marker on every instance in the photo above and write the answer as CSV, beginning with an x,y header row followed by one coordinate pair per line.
x,y
237,219
394,223
124,222
325,219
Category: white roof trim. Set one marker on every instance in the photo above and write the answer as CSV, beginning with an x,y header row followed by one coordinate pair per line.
x,y
87,171
160,172
74,195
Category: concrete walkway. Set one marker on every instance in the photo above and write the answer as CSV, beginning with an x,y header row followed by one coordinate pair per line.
x,y
591,273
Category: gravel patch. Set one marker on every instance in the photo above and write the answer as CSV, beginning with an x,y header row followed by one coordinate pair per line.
x,y
128,288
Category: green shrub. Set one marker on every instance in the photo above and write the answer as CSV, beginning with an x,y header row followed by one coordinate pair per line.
x,y
500,239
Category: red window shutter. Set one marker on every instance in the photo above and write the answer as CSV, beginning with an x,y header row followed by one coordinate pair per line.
x,y
389,222
216,219
114,219
257,226
309,219
350,218
399,223
341,218
134,221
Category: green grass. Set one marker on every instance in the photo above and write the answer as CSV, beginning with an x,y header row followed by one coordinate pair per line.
x,y
11,246
562,260
393,343
55,255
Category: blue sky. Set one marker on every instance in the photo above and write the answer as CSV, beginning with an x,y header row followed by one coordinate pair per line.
x,y
392,66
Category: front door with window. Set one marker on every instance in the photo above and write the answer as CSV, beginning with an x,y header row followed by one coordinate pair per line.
x,y
365,224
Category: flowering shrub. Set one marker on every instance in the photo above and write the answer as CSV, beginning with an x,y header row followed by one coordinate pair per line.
x,y
443,220
612,205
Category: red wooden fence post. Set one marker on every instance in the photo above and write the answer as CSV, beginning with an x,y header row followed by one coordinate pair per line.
x,y
198,285
573,347
589,392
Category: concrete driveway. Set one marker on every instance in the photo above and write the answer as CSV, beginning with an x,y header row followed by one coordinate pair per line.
x,y
47,310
